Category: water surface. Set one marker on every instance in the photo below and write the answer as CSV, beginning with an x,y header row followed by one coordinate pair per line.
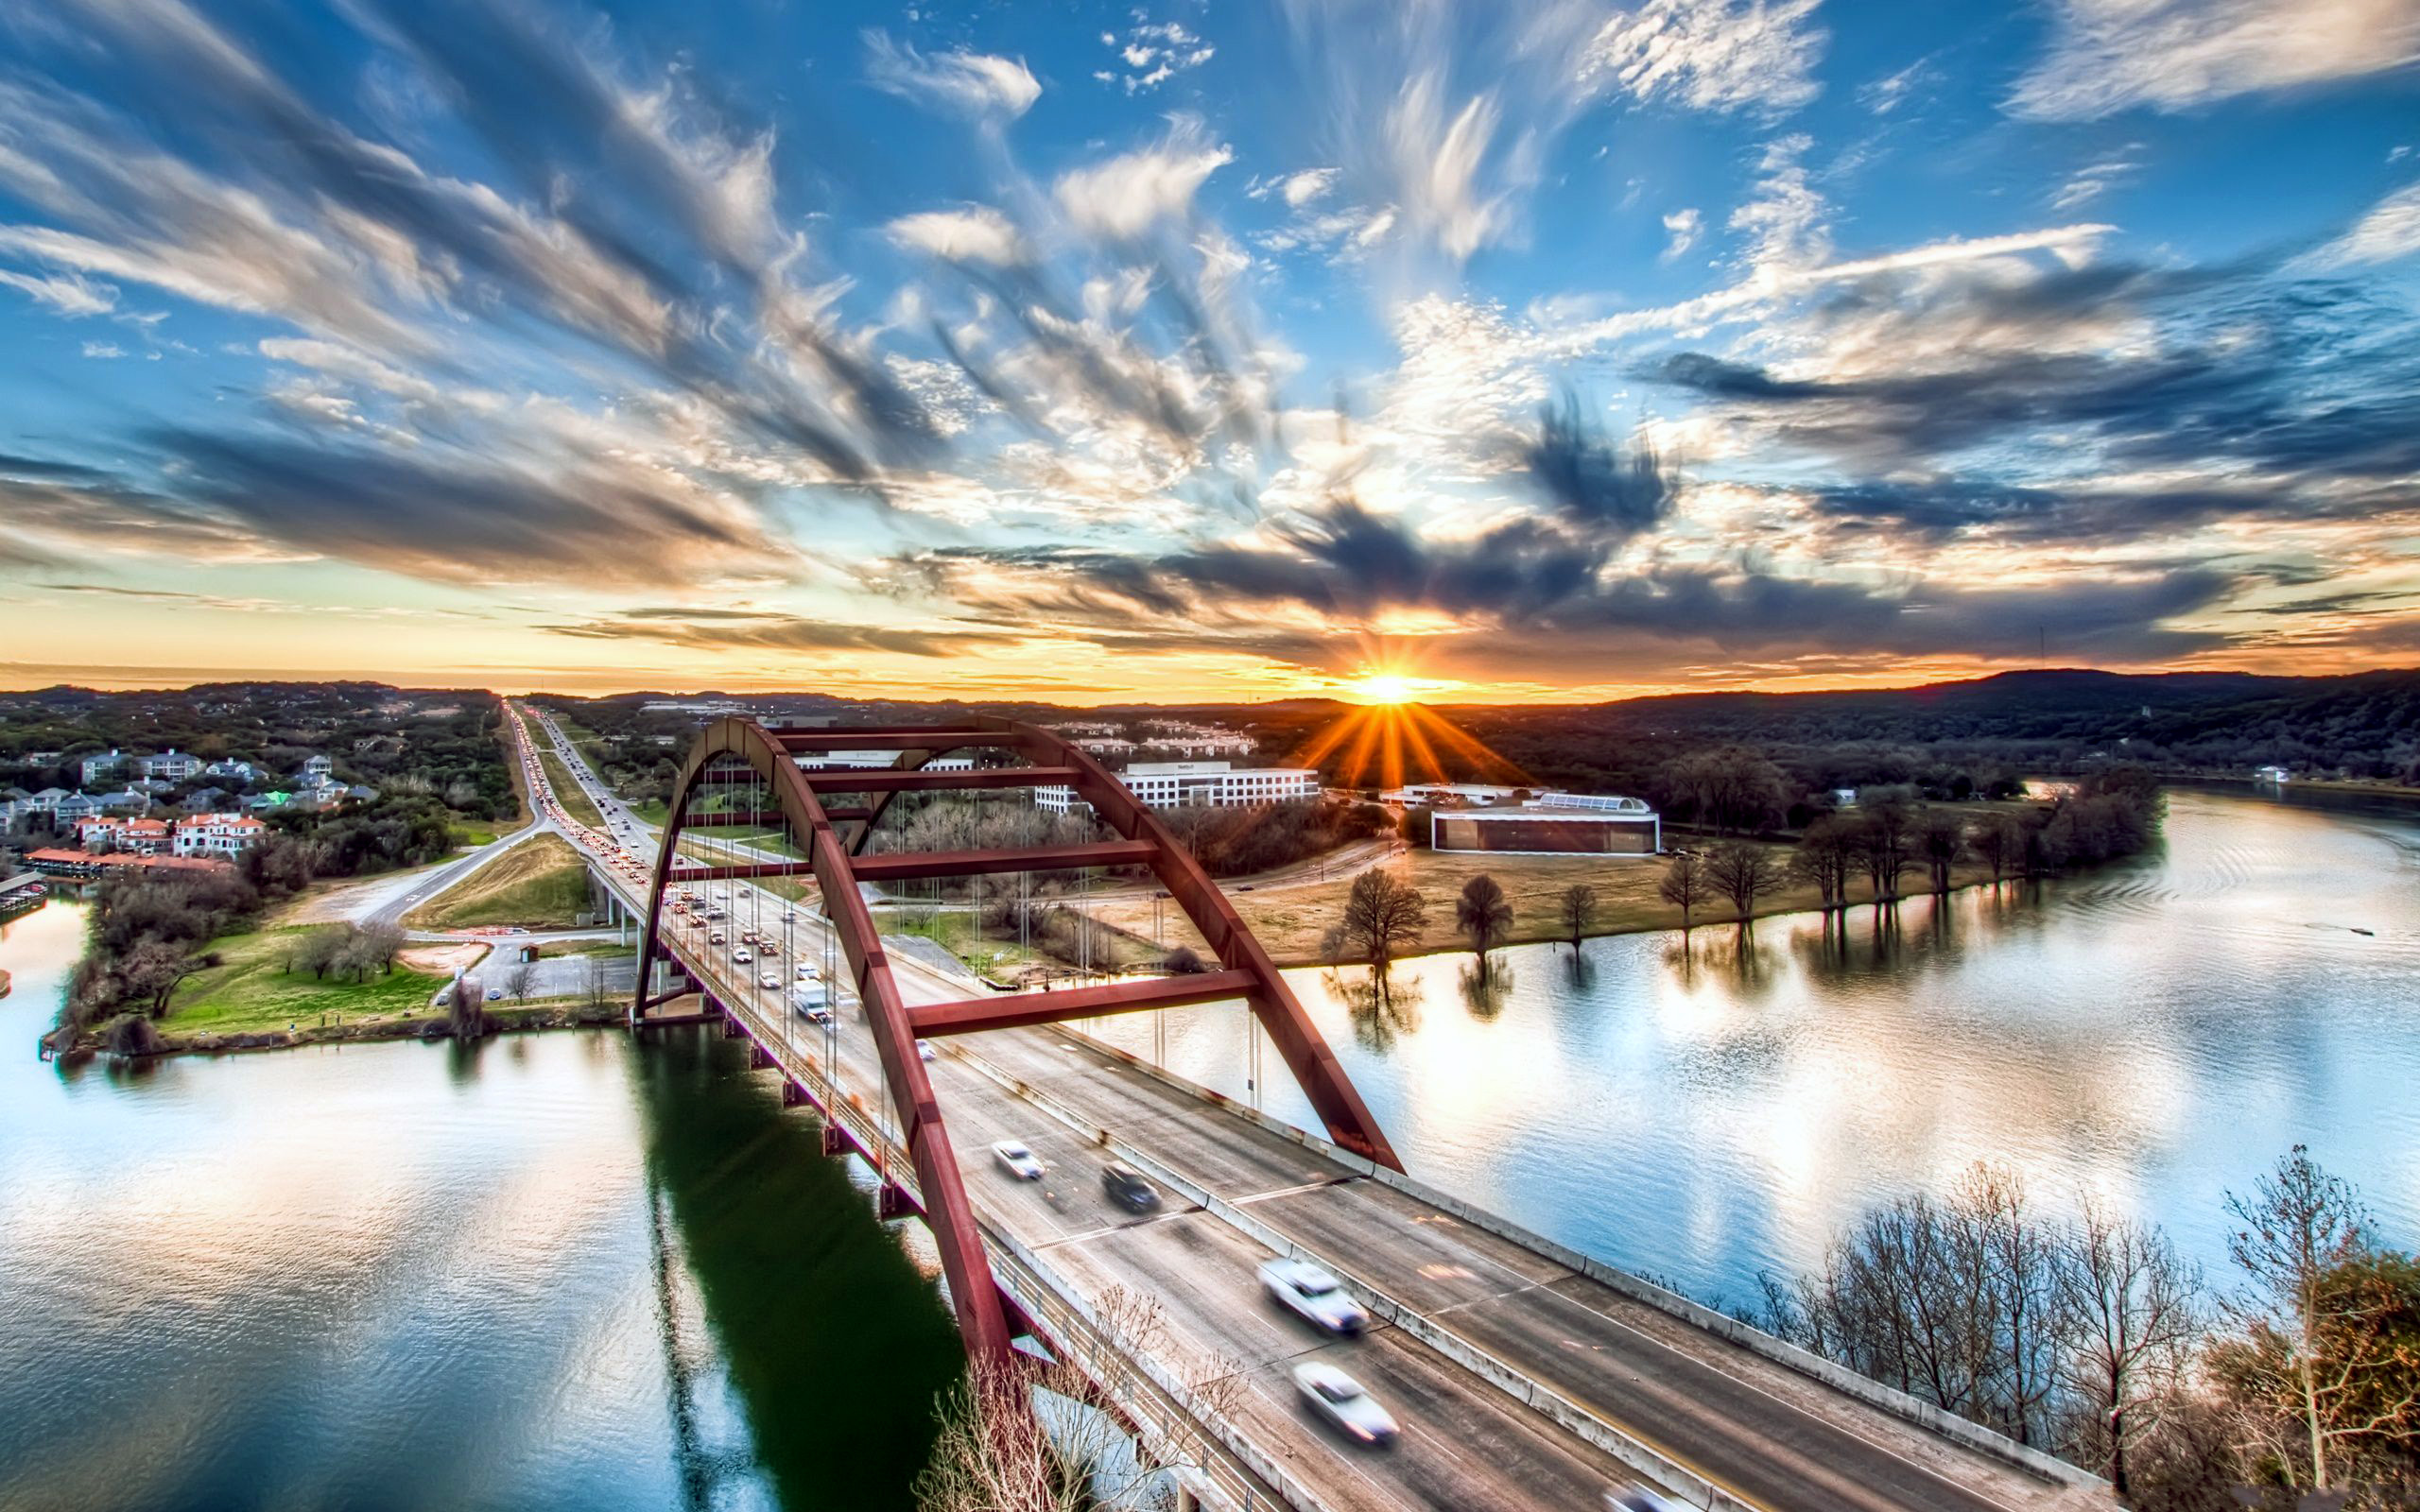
x,y
557,1271
1707,1109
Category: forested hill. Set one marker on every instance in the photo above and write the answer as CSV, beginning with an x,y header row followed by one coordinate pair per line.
x,y
2366,725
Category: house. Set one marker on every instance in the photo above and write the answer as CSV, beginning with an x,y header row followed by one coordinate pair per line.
x,y
12,812
144,837
96,834
102,767
320,767
217,835
268,802
72,807
231,770
125,800
1844,798
42,758
154,785
171,765
47,800
2272,774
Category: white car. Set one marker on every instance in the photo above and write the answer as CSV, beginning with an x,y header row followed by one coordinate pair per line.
x,y
806,973
1319,1297
1017,1160
1637,1498
769,980
924,1050
743,956
1339,1398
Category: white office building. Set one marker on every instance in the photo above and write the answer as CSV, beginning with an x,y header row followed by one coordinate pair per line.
x,y
1199,784
869,761
1552,824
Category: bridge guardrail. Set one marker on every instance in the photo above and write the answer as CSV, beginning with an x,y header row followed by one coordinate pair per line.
x,y
1243,1479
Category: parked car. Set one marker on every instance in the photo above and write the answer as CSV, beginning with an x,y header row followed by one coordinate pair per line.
x,y
1338,1398
1319,1297
1124,1185
1017,1160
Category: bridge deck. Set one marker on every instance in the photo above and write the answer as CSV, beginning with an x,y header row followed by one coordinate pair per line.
x,y
1766,1435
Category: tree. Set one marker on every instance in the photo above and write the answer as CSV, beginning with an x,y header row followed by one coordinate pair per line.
x,y
1482,913
517,979
2132,1313
1882,848
1383,914
1826,856
318,952
1743,871
1999,840
599,991
2301,1229
1684,887
1577,909
382,943
1940,838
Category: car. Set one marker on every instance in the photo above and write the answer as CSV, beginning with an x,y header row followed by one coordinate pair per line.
x,y
769,981
743,956
1338,1398
1017,1160
714,937
1124,1185
1636,1498
495,994
1319,1297
806,973
924,1050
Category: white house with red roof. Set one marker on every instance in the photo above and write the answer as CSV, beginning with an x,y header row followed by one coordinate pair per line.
x,y
217,835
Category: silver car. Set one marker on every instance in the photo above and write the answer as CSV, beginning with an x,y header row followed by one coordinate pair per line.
x,y
1017,1160
1319,1297
1339,1398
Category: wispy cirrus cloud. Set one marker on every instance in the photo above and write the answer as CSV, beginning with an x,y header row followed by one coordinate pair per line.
x,y
2108,56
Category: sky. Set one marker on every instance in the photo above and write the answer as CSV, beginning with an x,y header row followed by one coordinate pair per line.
x,y
1189,352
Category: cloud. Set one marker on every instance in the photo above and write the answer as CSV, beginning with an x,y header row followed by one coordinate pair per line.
x,y
103,350
2108,56
2391,230
1130,194
713,629
971,84
2096,179
979,235
1683,227
1300,189
69,293
1152,53
1710,55
1590,481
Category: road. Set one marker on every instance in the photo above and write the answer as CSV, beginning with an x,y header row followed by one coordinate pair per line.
x,y
1769,1437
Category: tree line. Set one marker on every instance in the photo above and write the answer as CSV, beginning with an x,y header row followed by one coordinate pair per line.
x,y
2091,1338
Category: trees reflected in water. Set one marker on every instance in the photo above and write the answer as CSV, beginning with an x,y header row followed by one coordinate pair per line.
x,y
1382,1011
1485,989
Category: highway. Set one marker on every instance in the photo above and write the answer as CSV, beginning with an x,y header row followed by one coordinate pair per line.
x,y
1768,1436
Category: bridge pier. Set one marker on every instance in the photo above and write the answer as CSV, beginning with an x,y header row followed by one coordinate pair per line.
x,y
793,1095
759,1059
835,1142
731,1029
892,1202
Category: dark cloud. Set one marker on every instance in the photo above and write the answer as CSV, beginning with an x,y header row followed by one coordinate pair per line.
x,y
2121,366
456,518
732,629
1940,507
1588,477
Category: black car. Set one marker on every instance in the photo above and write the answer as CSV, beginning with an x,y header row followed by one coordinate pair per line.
x,y
1126,1187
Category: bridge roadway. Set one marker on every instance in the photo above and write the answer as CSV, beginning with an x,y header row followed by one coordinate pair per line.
x,y
1766,1436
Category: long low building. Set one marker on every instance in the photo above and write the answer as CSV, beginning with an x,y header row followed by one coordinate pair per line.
x,y
1199,784
1552,824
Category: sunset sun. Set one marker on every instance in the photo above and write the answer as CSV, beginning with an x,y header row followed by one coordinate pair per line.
x,y
1383,687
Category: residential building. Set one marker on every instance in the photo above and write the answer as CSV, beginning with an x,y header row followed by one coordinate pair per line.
x,y
218,834
42,758
12,812
97,833
1552,824
75,806
125,800
231,770
204,801
171,765
2272,775
102,767
1203,785
317,766
143,838
47,800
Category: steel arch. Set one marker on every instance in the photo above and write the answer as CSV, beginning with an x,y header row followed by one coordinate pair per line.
x,y
1245,971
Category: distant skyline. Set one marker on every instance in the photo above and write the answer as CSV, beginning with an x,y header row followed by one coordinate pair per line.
x,y
1173,352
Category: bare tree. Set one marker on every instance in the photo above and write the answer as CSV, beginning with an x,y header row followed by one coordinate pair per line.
x,y
517,978
1999,840
1882,848
1942,840
1743,871
2132,1311
1482,913
382,943
1684,887
2300,1226
1826,856
1383,914
600,994
1577,909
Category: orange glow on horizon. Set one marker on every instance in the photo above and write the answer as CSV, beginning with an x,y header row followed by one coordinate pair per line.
x,y
1386,744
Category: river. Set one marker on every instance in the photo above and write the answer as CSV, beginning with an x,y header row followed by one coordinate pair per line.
x,y
550,1271
570,1271
2156,1034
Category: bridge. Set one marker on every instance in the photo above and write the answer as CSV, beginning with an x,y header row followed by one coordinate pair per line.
x,y
1525,1374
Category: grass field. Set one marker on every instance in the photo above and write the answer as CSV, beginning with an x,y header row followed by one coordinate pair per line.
x,y
772,842
539,883
1292,920
475,832
654,811
568,793
250,991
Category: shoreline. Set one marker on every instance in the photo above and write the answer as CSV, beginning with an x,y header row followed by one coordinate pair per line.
x,y
538,1018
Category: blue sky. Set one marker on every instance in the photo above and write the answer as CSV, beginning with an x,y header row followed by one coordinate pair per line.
x,y
1179,351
